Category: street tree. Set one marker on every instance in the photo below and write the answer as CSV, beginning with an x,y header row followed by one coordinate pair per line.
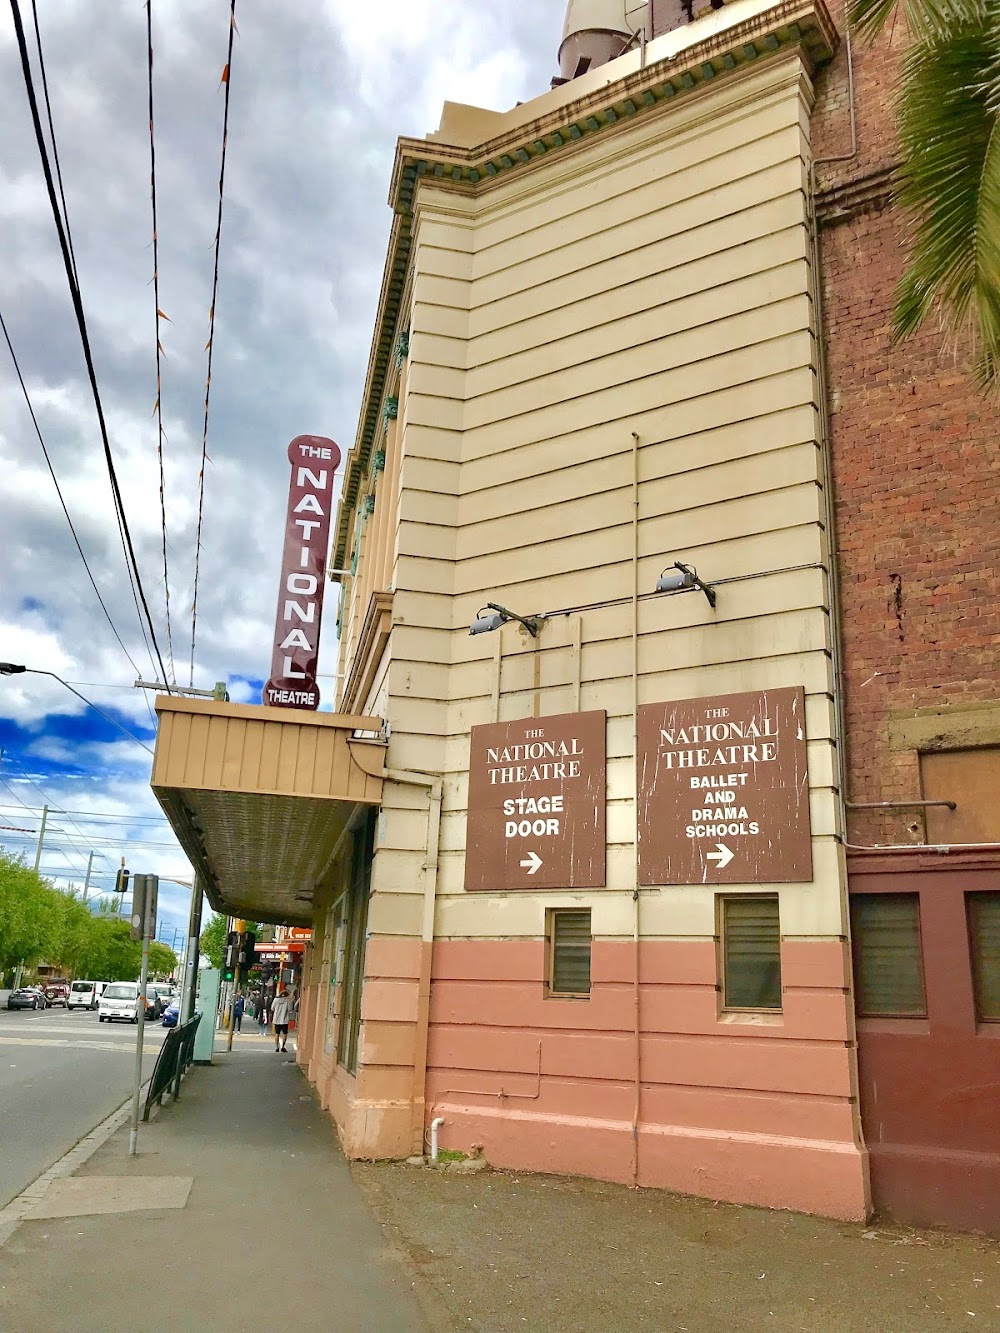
x,y
30,914
162,960
948,117
213,938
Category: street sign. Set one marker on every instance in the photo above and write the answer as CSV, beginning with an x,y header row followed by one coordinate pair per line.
x,y
536,803
723,790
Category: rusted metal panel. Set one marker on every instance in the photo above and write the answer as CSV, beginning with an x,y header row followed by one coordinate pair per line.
x,y
723,790
537,803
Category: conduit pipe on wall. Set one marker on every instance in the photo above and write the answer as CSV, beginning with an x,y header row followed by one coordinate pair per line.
x,y
826,458
636,993
836,613
433,786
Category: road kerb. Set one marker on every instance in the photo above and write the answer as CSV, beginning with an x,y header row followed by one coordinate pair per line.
x,y
15,1212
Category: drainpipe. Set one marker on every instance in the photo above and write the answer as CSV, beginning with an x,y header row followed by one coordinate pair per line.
x,y
836,614
826,459
636,995
433,786
436,1124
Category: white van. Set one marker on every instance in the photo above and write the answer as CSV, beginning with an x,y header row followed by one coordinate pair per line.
x,y
120,1000
83,995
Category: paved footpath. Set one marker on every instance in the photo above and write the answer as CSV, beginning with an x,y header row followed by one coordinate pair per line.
x,y
259,1223
512,1253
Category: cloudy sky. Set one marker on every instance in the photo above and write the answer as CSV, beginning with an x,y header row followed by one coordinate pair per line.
x,y
319,91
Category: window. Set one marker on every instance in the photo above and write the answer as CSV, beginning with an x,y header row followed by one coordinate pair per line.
x,y
357,932
569,942
330,973
888,972
751,953
983,910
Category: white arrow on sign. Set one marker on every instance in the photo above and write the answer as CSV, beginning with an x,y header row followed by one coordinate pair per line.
x,y
723,855
534,861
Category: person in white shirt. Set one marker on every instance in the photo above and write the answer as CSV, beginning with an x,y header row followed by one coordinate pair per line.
x,y
280,1009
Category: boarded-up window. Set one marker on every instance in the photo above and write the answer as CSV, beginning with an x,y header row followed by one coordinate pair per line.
x,y
969,778
569,941
751,953
888,972
984,934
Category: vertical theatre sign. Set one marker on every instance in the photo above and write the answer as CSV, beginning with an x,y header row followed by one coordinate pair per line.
x,y
536,803
292,683
723,790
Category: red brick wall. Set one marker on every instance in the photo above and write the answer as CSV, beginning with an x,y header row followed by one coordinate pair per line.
x,y
916,460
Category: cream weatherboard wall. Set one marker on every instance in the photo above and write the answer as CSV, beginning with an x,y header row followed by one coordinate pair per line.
x,y
643,302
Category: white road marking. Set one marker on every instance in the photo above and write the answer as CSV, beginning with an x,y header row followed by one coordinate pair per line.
x,y
77,1045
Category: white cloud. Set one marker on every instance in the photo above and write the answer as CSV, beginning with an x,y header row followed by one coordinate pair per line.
x,y
319,94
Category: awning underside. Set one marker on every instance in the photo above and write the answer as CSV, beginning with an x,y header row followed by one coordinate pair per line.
x,y
260,857
259,797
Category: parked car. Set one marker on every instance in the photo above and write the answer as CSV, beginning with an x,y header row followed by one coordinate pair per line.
x,y
171,1014
159,995
27,997
83,995
57,992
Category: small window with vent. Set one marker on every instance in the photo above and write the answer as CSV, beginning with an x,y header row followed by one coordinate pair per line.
x,y
983,910
751,953
569,945
888,969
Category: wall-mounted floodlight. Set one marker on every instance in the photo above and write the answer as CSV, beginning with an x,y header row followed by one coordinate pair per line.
x,y
484,624
679,577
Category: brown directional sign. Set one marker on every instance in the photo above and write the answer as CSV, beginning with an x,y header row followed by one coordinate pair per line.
x,y
536,803
723,790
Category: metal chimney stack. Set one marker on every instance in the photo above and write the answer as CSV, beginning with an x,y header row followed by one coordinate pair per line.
x,y
596,31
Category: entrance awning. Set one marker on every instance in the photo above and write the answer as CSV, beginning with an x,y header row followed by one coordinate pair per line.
x,y
259,797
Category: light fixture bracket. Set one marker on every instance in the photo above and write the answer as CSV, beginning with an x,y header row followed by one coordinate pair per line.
x,y
686,579
483,624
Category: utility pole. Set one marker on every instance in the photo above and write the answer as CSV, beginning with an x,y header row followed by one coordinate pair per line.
x,y
86,882
144,894
41,837
38,861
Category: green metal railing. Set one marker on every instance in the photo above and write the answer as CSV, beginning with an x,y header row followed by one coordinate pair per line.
x,y
176,1054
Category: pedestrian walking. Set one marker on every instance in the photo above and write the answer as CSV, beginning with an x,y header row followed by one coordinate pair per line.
x,y
238,1008
280,1009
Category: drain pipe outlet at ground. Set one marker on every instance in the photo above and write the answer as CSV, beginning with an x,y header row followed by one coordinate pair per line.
x,y
436,1123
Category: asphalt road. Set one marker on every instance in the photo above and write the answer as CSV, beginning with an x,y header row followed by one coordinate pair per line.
x,y
61,1074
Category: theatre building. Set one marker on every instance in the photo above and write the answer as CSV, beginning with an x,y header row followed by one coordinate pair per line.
x,y
573,842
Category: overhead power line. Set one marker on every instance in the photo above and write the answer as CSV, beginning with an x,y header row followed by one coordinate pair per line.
x,y
159,345
52,133
227,80
55,482
92,814
52,806
131,562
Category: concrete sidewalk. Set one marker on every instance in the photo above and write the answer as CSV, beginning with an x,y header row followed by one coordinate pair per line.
x,y
248,1217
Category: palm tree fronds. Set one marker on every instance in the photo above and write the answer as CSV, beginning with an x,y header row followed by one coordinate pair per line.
x,y
950,185
926,20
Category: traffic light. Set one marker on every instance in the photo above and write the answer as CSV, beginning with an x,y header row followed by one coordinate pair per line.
x,y
248,948
144,894
121,881
231,955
